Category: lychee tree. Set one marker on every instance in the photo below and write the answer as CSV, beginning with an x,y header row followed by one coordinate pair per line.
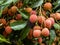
x,y
29,22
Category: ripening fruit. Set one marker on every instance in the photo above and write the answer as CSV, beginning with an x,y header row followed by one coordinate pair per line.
x,y
47,23
10,12
13,9
37,28
53,43
8,29
52,20
40,40
45,32
33,12
47,6
3,21
18,16
57,16
36,33
41,19
5,11
28,9
33,18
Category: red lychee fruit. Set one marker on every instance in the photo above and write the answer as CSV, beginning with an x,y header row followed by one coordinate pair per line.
x,y
33,12
36,33
18,16
41,19
33,18
47,23
52,20
37,28
45,32
3,21
47,6
40,40
8,29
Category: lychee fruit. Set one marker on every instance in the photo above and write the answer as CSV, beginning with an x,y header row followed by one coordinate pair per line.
x,y
33,12
18,16
40,40
47,23
57,16
52,20
41,19
8,29
14,9
36,33
33,18
45,32
28,9
36,27
47,6
3,21
10,12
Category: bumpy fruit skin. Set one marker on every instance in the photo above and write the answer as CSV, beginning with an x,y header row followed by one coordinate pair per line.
x,y
33,18
10,12
3,21
57,16
40,40
47,23
28,9
5,11
41,19
8,29
13,9
33,12
47,6
37,28
36,33
52,20
45,32
18,16
30,35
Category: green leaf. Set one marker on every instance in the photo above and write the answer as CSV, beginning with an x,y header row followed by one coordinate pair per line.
x,y
24,33
37,4
56,26
18,25
26,1
23,15
52,36
3,39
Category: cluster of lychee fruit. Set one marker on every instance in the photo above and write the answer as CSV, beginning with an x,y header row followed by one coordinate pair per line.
x,y
43,23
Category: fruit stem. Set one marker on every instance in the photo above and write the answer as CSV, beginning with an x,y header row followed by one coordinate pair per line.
x,y
40,11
